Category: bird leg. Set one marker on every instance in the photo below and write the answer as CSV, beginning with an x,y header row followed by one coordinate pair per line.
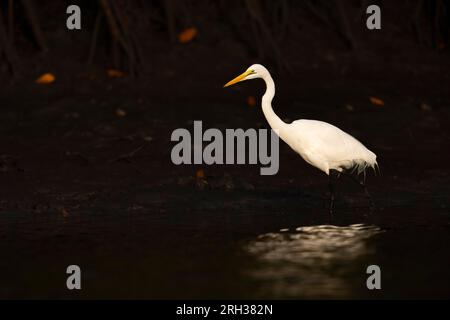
x,y
366,191
330,185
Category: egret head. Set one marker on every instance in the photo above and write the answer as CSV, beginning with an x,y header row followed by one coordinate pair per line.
x,y
253,72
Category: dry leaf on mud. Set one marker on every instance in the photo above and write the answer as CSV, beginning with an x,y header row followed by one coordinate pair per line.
x,y
251,101
120,112
200,174
187,35
376,101
46,78
112,73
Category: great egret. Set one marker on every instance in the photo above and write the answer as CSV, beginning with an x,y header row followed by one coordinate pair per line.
x,y
321,144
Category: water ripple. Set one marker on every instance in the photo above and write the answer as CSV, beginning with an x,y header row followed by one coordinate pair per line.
x,y
313,261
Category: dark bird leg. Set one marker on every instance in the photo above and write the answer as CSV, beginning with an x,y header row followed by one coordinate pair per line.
x,y
330,185
363,185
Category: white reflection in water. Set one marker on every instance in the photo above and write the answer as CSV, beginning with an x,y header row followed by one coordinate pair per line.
x,y
313,261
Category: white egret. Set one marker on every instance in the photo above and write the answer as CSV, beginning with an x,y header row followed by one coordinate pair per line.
x,y
319,143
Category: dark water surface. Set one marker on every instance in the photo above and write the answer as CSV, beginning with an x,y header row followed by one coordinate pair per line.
x,y
227,244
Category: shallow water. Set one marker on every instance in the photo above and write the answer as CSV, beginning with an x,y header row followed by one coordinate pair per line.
x,y
243,247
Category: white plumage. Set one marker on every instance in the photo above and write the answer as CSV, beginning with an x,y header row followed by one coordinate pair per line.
x,y
320,144
327,147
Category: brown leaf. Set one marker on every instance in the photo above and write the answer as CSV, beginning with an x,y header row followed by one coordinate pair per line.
x,y
376,101
46,78
200,174
120,112
187,35
112,73
251,101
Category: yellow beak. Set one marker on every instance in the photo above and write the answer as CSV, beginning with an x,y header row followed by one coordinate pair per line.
x,y
238,78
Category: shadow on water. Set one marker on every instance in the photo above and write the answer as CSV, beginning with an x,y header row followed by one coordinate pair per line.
x,y
312,261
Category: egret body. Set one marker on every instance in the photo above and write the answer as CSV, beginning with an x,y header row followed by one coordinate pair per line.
x,y
319,143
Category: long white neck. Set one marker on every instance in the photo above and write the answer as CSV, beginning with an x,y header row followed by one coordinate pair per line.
x,y
274,121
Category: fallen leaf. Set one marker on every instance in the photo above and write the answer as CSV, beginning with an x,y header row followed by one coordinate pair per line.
x,y
112,73
120,112
376,101
200,174
251,101
46,78
187,35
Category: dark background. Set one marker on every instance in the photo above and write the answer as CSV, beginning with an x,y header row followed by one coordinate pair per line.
x,y
85,170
